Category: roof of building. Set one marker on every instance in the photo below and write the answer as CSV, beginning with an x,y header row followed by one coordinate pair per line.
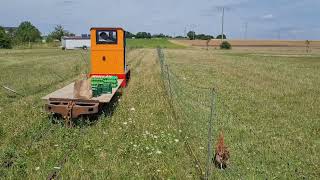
x,y
107,28
75,38
10,28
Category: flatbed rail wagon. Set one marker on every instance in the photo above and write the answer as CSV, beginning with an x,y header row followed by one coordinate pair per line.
x,y
108,59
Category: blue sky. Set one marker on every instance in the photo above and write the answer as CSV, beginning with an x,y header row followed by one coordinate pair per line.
x,y
267,19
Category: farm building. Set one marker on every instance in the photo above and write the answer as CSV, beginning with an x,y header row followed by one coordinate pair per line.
x,y
9,29
75,42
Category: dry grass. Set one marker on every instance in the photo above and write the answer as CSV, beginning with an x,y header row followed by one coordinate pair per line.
x,y
250,43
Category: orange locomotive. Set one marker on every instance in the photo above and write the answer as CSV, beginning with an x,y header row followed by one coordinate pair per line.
x,y
108,53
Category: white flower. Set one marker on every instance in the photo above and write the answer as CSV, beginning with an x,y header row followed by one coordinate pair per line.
x,y
37,168
180,131
156,137
158,170
176,140
201,147
132,109
134,145
147,148
158,152
125,123
56,145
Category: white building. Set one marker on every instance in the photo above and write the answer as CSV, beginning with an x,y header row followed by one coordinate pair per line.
x,y
75,42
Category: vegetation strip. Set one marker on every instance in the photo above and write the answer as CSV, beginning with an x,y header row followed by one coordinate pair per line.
x,y
191,153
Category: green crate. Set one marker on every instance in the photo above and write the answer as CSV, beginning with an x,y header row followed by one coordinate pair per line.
x,y
107,89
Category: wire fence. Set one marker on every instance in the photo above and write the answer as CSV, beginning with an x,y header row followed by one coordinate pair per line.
x,y
193,107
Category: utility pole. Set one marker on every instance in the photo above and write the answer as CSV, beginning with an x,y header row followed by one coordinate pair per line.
x,y
185,31
222,23
245,30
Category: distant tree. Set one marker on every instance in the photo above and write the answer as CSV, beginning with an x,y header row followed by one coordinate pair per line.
x,y
58,33
27,32
219,36
5,41
180,37
191,35
129,35
159,36
143,35
225,45
204,37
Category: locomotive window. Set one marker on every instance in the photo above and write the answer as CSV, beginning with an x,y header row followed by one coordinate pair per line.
x,y
107,37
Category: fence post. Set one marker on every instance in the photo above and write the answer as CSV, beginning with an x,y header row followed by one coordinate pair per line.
x,y
210,139
169,82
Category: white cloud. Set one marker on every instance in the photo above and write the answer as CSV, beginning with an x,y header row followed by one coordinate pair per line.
x,y
268,16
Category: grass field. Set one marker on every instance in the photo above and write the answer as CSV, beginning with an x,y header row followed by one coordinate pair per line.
x,y
152,43
267,105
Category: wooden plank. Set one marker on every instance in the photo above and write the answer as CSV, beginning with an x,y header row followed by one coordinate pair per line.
x,y
67,93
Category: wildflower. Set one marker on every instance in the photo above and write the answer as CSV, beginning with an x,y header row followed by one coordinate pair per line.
x,y
158,170
37,168
158,152
201,147
176,140
125,123
132,109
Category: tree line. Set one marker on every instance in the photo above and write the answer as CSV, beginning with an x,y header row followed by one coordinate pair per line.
x,y
193,36
26,32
